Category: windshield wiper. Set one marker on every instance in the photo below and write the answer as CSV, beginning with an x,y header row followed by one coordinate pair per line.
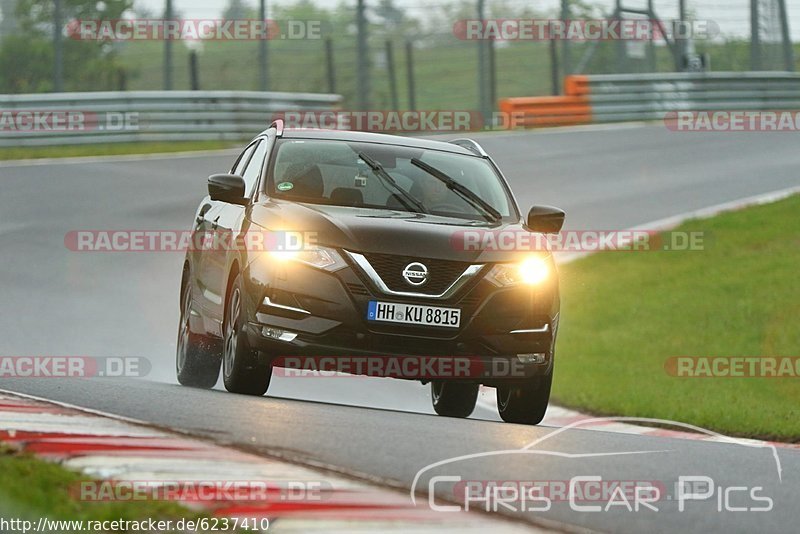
x,y
380,172
477,202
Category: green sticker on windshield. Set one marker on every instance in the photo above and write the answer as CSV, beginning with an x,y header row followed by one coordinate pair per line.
x,y
285,186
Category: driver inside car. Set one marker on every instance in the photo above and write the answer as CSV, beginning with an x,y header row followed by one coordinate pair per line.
x,y
430,191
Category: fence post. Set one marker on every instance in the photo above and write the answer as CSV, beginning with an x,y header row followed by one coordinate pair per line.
x,y
554,67
412,97
619,46
329,65
362,53
651,46
58,48
755,35
482,106
492,93
565,45
392,74
786,36
194,79
263,58
680,43
168,50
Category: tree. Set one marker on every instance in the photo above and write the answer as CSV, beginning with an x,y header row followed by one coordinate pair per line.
x,y
26,58
238,9
394,22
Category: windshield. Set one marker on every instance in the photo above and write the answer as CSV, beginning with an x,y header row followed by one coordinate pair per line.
x,y
370,175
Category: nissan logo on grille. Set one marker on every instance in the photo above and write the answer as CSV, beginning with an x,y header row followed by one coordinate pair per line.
x,y
415,274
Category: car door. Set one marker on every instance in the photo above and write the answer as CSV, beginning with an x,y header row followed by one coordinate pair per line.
x,y
228,223
206,260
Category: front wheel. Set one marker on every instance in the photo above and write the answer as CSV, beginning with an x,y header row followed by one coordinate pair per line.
x,y
242,370
525,403
453,399
197,358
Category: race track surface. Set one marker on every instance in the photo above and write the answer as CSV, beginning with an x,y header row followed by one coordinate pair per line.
x,y
58,302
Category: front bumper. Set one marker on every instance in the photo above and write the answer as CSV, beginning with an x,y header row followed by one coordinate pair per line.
x,y
325,315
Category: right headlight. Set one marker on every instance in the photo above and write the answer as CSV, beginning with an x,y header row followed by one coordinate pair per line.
x,y
532,271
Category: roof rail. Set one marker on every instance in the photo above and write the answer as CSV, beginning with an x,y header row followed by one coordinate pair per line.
x,y
470,145
278,125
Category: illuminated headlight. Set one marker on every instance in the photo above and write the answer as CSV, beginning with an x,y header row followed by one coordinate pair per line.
x,y
530,271
324,258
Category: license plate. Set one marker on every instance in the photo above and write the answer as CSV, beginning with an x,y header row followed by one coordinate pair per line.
x,y
392,312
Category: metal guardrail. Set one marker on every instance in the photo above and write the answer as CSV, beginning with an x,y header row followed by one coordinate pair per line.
x,y
651,96
642,97
109,117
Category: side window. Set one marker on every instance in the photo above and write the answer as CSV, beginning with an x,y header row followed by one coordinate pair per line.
x,y
253,169
238,167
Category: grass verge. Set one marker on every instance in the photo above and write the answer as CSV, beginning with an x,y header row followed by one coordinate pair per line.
x,y
625,314
31,488
109,149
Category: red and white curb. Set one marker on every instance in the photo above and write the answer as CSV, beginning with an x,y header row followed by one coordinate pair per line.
x,y
557,416
106,448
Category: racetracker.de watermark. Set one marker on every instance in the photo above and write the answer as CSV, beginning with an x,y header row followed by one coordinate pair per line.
x,y
384,120
579,241
733,121
582,30
409,367
73,367
733,366
192,29
411,121
58,121
188,241
201,491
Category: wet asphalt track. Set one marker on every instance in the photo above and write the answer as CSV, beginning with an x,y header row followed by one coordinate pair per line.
x,y
117,304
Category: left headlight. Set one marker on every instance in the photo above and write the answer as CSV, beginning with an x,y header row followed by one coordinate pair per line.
x,y
531,271
325,258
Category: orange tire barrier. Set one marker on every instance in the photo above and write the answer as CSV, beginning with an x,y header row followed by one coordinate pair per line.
x,y
533,112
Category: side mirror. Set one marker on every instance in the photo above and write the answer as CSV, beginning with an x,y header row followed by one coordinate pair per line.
x,y
545,219
227,188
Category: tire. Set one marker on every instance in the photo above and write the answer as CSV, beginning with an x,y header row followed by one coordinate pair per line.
x,y
242,371
454,399
197,357
526,403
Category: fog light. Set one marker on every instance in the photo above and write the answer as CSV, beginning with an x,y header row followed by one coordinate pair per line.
x,y
277,333
539,357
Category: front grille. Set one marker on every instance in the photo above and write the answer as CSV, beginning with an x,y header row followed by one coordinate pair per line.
x,y
441,273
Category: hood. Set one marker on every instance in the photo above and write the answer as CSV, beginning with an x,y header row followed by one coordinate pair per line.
x,y
384,231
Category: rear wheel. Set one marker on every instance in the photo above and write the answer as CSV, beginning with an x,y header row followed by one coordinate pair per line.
x,y
197,358
242,370
453,399
525,403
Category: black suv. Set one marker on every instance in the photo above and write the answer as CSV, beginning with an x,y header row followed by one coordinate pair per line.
x,y
366,253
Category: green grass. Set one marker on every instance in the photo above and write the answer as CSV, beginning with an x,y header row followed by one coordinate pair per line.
x,y
109,149
445,69
445,74
625,313
31,488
